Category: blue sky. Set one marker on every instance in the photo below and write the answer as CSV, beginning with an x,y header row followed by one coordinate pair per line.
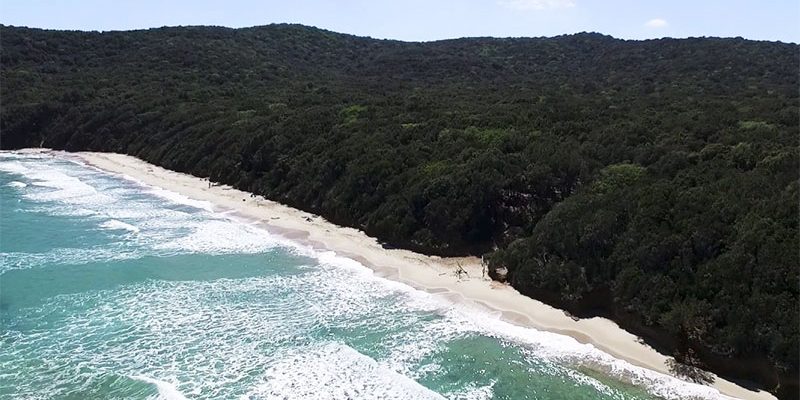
x,y
431,19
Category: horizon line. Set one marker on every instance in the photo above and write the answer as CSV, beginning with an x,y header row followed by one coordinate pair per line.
x,y
391,39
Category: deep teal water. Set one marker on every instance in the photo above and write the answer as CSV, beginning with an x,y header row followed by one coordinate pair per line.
x,y
112,289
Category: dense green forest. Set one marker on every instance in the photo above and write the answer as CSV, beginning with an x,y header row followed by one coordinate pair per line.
x,y
653,182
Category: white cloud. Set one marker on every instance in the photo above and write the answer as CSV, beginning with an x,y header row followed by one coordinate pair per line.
x,y
656,23
536,4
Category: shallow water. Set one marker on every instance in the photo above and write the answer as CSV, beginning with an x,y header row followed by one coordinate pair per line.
x,y
112,289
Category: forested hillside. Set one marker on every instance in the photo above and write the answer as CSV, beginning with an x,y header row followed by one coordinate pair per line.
x,y
653,182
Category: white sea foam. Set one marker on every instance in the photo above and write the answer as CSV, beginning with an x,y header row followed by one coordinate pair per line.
x,y
75,190
569,350
68,189
114,224
13,167
219,236
25,153
335,371
18,260
166,390
17,184
473,392
220,336
181,199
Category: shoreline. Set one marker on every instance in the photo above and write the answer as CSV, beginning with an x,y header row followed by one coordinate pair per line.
x,y
429,273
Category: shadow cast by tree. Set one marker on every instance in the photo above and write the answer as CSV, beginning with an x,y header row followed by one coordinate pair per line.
x,y
689,367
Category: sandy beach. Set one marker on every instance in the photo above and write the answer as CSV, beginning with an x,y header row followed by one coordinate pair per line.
x,y
430,273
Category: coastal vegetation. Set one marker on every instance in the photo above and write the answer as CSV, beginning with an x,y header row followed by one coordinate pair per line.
x,y
652,182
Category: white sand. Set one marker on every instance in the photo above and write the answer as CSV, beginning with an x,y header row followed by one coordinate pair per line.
x,y
420,271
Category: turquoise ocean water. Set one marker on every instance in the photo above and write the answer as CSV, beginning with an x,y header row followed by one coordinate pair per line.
x,y
110,289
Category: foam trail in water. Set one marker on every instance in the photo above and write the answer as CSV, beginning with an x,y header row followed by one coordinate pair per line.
x,y
17,184
166,390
